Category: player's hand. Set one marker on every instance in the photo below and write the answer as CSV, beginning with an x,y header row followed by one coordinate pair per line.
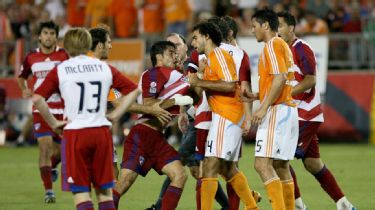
x,y
193,79
183,122
247,96
258,116
27,93
202,65
59,126
162,115
246,126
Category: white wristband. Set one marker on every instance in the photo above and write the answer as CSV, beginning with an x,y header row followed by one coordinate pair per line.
x,y
183,100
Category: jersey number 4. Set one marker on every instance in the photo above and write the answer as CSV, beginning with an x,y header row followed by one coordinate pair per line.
x,y
96,95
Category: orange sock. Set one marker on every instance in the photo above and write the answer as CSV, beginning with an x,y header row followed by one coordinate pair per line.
x,y
288,193
275,194
208,191
241,187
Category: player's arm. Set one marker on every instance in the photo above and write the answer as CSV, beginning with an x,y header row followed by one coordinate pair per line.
x,y
307,64
307,83
22,79
220,86
22,84
124,103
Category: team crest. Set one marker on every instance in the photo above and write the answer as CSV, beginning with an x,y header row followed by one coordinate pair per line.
x,y
141,160
37,126
153,87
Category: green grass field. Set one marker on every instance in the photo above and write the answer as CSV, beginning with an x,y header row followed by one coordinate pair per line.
x,y
353,166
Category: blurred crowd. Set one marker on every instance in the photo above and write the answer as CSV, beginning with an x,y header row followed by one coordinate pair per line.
x,y
152,18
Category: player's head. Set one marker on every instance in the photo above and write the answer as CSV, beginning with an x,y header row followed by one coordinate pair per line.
x,y
163,53
264,21
181,47
48,33
101,42
203,34
77,41
222,25
233,27
287,23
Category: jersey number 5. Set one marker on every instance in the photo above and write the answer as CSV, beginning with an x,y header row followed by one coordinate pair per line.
x,y
95,95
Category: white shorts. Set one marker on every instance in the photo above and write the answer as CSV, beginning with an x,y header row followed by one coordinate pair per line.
x,y
224,139
277,134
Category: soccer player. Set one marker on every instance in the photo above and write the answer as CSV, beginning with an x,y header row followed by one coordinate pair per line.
x,y
277,118
87,149
101,44
39,63
310,115
146,147
224,136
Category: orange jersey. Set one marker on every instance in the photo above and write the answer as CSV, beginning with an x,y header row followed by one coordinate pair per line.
x,y
276,58
220,66
153,20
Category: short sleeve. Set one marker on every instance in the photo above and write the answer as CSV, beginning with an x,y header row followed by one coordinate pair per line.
x,y
152,83
306,59
25,70
276,56
223,65
121,83
50,85
244,72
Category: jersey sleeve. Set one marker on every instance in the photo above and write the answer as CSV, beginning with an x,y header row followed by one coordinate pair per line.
x,y
152,83
121,83
306,60
25,70
223,66
193,62
50,85
244,73
276,55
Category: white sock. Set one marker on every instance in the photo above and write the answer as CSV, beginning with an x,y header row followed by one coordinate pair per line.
x,y
344,204
299,205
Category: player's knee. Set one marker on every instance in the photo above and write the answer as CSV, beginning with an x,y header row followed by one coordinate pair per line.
x,y
313,166
179,177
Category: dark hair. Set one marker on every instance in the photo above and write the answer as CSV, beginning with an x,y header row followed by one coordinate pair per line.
x,y
222,25
288,18
159,48
98,35
211,30
50,25
267,15
232,25
179,35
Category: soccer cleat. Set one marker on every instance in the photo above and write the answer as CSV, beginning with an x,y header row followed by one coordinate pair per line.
x,y
54,174
344,204
256,195
49,197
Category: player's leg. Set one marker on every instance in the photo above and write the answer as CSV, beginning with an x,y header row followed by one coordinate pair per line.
x,y
239,183
45,152
283,171
178,176
83,201
299,205
125,181
101,169
328,182
287,136
266,150
105,199
55,159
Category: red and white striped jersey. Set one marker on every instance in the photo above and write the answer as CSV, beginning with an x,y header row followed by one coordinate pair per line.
x,y
162,83
84,83
39,65
309,107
